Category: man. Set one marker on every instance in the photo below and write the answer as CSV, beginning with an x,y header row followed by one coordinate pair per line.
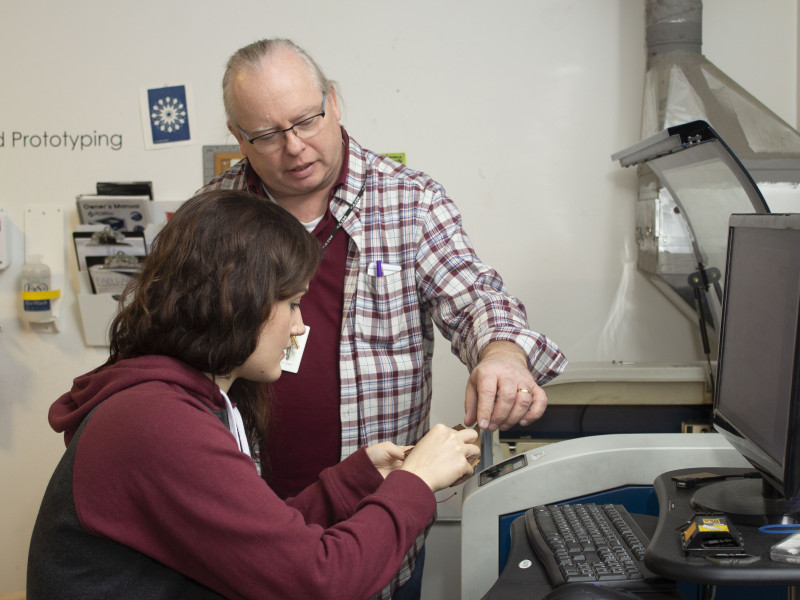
x,y
395,261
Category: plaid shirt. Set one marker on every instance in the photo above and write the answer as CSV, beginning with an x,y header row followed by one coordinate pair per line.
x,y
431,275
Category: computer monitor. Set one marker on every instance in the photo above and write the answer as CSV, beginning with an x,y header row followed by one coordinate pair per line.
x,y
757,395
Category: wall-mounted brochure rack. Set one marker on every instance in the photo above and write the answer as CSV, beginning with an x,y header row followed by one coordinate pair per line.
x,y
97,312
101,256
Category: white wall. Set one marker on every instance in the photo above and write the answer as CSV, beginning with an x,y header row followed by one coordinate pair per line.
x,y
515,106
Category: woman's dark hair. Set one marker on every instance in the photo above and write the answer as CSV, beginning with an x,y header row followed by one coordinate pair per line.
x,y
212,277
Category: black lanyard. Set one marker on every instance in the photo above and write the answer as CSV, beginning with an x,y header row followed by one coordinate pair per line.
x,y
349,210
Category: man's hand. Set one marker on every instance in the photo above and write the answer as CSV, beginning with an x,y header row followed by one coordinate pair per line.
x,y
501,392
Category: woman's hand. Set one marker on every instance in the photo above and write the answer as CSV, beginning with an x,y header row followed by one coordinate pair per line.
x,y
386,457
443,457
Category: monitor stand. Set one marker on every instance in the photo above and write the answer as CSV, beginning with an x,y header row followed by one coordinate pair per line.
x,y
742,500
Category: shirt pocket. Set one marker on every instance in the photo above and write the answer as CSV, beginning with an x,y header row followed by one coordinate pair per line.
x,y
387,310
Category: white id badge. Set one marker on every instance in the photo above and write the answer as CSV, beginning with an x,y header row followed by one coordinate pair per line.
x,y
291,362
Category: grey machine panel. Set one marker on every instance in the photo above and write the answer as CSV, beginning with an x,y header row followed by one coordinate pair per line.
x,y
565,470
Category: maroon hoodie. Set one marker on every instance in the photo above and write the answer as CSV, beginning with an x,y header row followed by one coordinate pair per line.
x,y
154,499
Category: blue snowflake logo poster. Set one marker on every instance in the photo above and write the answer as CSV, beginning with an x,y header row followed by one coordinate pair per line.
x,y
169,114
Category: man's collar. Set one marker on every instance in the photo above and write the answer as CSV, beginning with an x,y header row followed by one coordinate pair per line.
x,y
254,183
342,179
352,174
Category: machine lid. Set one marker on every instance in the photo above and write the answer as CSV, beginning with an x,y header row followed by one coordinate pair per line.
x,y
707,182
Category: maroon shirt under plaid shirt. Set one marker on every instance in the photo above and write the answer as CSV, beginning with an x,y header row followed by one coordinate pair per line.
x,y
305,406
405,220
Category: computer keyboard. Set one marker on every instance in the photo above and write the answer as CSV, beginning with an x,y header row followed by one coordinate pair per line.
x,y
591,543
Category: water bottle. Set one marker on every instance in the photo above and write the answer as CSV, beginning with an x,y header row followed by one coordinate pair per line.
x,y
35,277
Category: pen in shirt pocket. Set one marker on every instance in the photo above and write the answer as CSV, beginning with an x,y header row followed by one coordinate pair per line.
x,y
382,269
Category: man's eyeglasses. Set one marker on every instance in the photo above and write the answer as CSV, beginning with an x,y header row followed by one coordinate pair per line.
x,y
303,129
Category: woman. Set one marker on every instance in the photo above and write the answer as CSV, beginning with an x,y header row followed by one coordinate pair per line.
x,y
157,496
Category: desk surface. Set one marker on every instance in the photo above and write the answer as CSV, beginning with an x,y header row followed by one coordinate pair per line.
x,y
604,383
665,554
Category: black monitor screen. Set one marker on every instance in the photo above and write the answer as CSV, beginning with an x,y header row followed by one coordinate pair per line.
x,y
756,400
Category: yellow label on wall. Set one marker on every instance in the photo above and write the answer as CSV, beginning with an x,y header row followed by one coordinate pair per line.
x,y
398,156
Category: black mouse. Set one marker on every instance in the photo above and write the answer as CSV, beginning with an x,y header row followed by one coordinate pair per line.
x,y
587,591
